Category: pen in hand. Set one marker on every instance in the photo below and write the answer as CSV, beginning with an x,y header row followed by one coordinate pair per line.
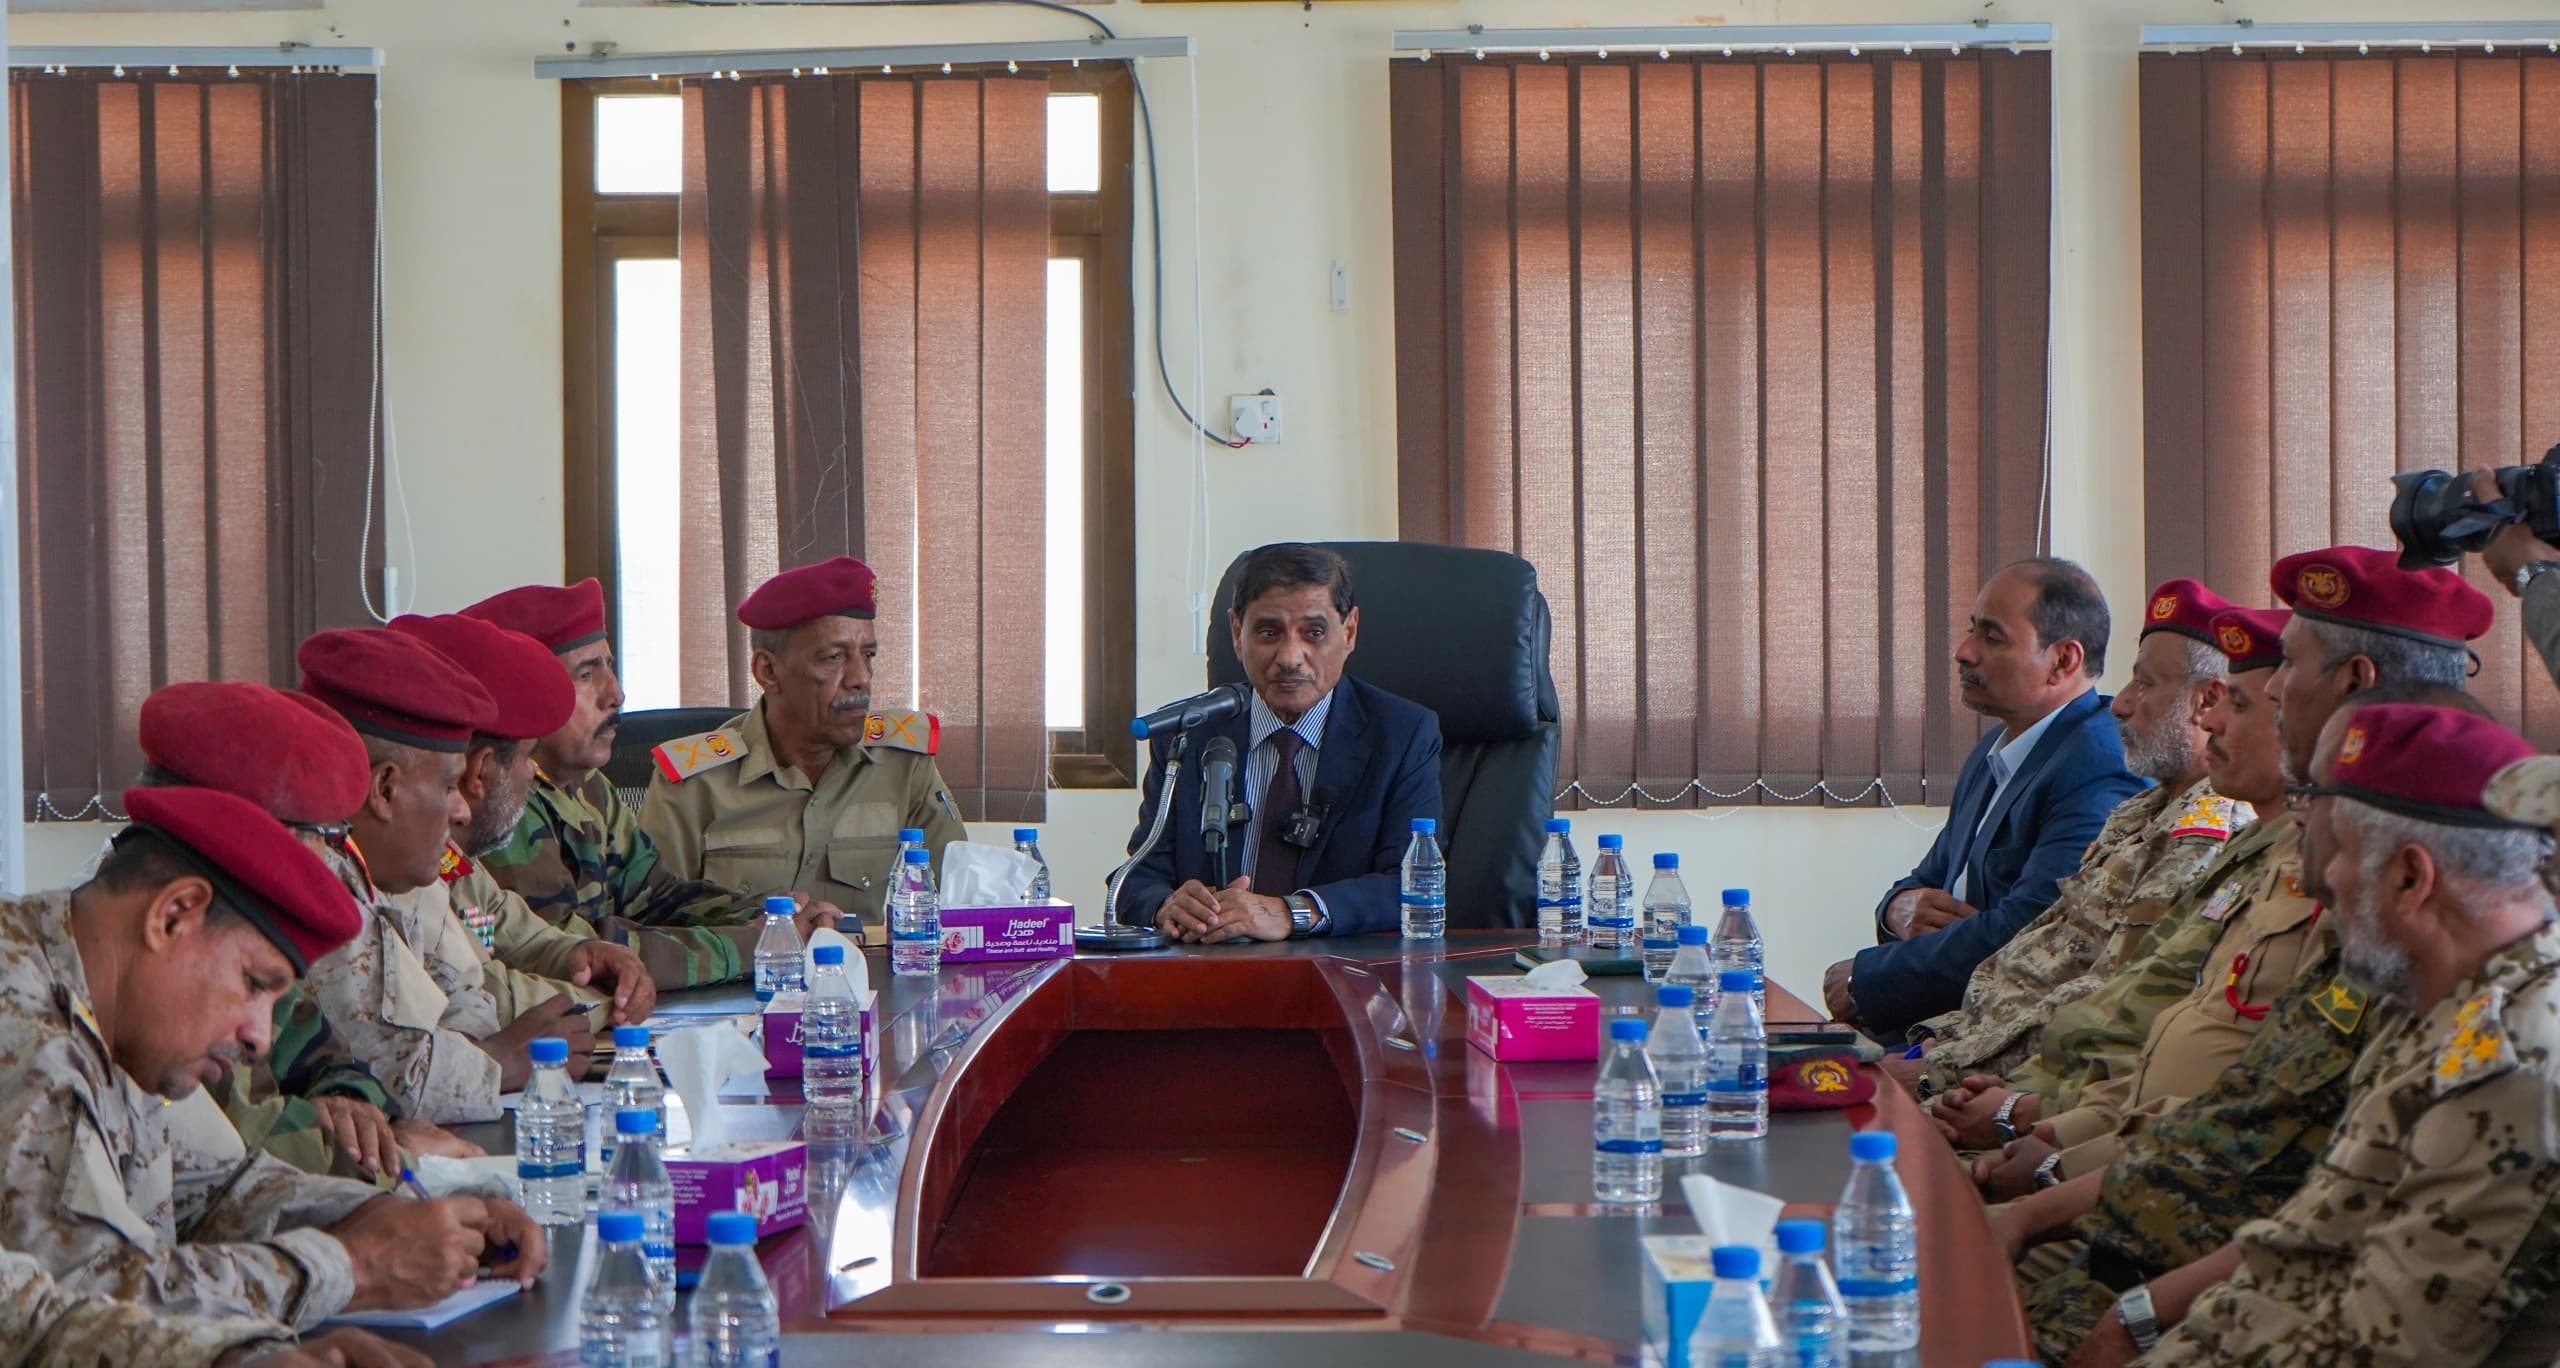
x,y
500,1253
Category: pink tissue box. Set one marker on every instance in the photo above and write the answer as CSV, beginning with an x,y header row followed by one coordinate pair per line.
x,y
1511,1019
781,1032
766,1177
1024,931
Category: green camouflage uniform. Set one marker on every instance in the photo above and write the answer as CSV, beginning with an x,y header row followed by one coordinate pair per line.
x,y
2227,1156
579,859
2101,1035
269,1099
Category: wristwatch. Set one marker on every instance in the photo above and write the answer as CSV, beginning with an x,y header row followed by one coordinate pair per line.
x,y
2048,1173
2000,1121
2134,1309
1305,918
2530,571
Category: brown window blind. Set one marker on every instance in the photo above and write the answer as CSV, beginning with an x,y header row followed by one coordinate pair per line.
x,y
865,311
2349,268
196,382
1747,355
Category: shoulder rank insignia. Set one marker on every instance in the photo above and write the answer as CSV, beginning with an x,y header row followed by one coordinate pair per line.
x,y
685,757
907,730
2211,815
454,863
2341,1004
2479,1047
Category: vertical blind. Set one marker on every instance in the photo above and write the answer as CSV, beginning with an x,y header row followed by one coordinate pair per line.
x,y
1747,356
2350,265
865,274
196,382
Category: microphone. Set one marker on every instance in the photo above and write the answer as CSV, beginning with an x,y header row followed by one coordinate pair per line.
x,y
1217,790
1217,704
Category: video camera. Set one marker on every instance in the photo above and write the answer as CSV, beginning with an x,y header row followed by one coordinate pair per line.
x,y
2436,519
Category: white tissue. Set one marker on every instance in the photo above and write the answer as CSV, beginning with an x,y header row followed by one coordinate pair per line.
x,y
1730,1215
985,876
698,1059
1562,973
857,970
488,1175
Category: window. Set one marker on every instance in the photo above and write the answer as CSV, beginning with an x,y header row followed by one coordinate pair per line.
x,y
623,168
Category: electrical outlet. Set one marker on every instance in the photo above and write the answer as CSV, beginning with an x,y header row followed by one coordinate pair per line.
x,y
1254,418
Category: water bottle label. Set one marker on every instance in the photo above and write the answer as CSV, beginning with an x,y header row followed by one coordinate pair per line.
x,y
1878,1287
1629,1146
531,1172
1683,1099
920,934
658,1251
808,1051
1748,1081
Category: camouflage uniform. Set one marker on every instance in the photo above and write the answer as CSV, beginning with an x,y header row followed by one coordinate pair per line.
x,y
579,859
2232,1154
96,1191
269,1099
396,1014
44,1326
2156,844
2429,1223
523,959
2100,1035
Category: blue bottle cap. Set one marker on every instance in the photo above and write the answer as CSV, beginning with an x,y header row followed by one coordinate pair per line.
x,y
1674,995
618,1227
548,1050
1666,859
779,905
918,855
631,1037
1558,825
1869,1146
1737,897
828,954
1026,834
910,835
635,1121
731,1227
1626,1028
1693,935
1426,824
1736,1261
1613,841
1738,980
1800,1236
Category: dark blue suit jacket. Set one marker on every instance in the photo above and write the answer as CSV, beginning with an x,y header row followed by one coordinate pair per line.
x,y
1379,769
2036,834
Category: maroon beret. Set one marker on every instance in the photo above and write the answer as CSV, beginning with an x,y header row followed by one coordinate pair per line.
x,y
2186,607
1819,1084
395,687
261,870
282,751
2357,586
533,694
562,619
837,587
2433,764
2253,638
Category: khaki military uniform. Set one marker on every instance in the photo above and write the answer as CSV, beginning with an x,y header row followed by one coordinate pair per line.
x,y
96,1193
721,809
2154,847
522,959
2429,1224
44,1326
411,1024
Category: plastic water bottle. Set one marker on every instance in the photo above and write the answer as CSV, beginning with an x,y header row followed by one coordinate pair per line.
x,y
1736,1330
915,920
1610,909
1805,1301
1026,840
1690,969
1875,1246
1737,944
1680,1065
1426,884
1560,888
779,968
831,1052
909,838
1737,1062
620,1324
1626,1120
633,1082
638,1182
551,1138
735,1321
1666,910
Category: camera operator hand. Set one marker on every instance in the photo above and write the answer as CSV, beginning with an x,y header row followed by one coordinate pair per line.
x,y
2515,546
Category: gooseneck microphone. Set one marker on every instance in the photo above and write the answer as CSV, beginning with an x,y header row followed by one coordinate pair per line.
x,y
1217,797
1218,704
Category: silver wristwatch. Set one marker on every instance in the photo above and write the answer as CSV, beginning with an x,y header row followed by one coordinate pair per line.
x,y
1305,918
2000,1121
2134,1309
2530,571
2048,1173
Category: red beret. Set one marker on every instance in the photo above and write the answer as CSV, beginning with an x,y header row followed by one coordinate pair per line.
x,y
2433,764
281,751
837,587
533,694
2186,607
562,619
1819,1084
2357,586
394,686
260,869
2253,638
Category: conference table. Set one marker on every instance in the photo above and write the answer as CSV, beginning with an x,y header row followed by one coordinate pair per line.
x,y
1261,1154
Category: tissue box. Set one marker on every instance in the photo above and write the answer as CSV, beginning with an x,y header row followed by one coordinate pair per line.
x,y
1679,1272
1045,930
782,1034
1510,1018
767,1177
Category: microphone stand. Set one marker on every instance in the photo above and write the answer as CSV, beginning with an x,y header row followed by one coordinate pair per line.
x,y
1113,935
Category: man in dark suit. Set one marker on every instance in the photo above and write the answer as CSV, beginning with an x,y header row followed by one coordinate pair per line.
x,y
2030,799
1332,770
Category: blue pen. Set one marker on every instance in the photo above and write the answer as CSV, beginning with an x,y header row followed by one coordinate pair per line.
x,y
1913,1053
409,1180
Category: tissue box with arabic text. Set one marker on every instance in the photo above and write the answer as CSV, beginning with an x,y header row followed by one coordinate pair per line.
x,y
1041,930
767,1177
1510,1018
781,1032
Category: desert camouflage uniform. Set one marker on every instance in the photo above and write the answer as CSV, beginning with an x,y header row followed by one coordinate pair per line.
x,y
95,1192
270,1098
2154,847
393,1010
2428,1225
523,959
579,859
43,1326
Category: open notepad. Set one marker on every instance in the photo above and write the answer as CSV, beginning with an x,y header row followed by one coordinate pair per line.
x,y
453,1308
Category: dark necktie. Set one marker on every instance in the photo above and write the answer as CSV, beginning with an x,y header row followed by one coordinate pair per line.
x,y
1275,861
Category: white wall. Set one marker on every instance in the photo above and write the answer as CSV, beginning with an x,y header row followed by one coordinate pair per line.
x,y
1292,115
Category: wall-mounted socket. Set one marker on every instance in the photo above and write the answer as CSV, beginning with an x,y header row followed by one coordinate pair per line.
x,y
1255,418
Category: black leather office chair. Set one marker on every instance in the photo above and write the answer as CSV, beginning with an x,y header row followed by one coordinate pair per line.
x,y
630,769
1462,632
